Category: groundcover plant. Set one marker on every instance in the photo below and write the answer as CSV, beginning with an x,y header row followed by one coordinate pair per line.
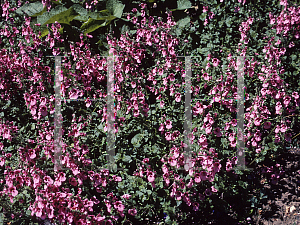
x,y
152,183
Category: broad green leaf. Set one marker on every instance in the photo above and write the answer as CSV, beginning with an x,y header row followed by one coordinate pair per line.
x,y
202,16
44,32
31,9
183,22
83,13
115,8
118,10
102,15
59,14
92,25
136,140
183,4
46,16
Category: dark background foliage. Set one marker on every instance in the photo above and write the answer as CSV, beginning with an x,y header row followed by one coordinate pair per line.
x,y
243,194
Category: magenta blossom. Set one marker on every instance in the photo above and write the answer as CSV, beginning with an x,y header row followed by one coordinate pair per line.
x,y
132,212
177,97
168,124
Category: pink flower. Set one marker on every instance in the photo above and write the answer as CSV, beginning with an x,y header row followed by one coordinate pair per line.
x,y
73,94
217,131
278,107
31,153
257,121
215,62
177,97
48,180
216,167
2,161
132,212
146,160
236,9
6,133
168,124
178,195
277,129
283,128
286,100
168,136
151,176
197,178
231,137
61,177
73,181
206,76
133,84
119,206
175,135
195,206
88,103
43,101
43,110
161,128
208,128
32,100
267,125
33,109
292,44
211,15
295,95
205,9
13,191
202,140
172,161
214,189
126,196
117,178
162,103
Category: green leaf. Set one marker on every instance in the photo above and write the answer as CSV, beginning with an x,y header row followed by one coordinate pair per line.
x,y
183,22
136,140
44,32
118,10
183,4
32,9
102,15
202,16
83,13
28,212
228,21
271,145
1,218
127,158
59,14
92,25
115,8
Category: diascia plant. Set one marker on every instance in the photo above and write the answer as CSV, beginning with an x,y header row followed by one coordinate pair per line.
x,y
149,92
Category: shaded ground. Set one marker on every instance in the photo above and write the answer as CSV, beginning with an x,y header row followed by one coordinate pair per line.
x,y
283,203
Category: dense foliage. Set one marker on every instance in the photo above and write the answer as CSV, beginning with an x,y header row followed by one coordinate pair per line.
x,y
151,185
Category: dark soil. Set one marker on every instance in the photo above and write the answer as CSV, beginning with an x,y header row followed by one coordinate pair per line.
x,y
282,206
